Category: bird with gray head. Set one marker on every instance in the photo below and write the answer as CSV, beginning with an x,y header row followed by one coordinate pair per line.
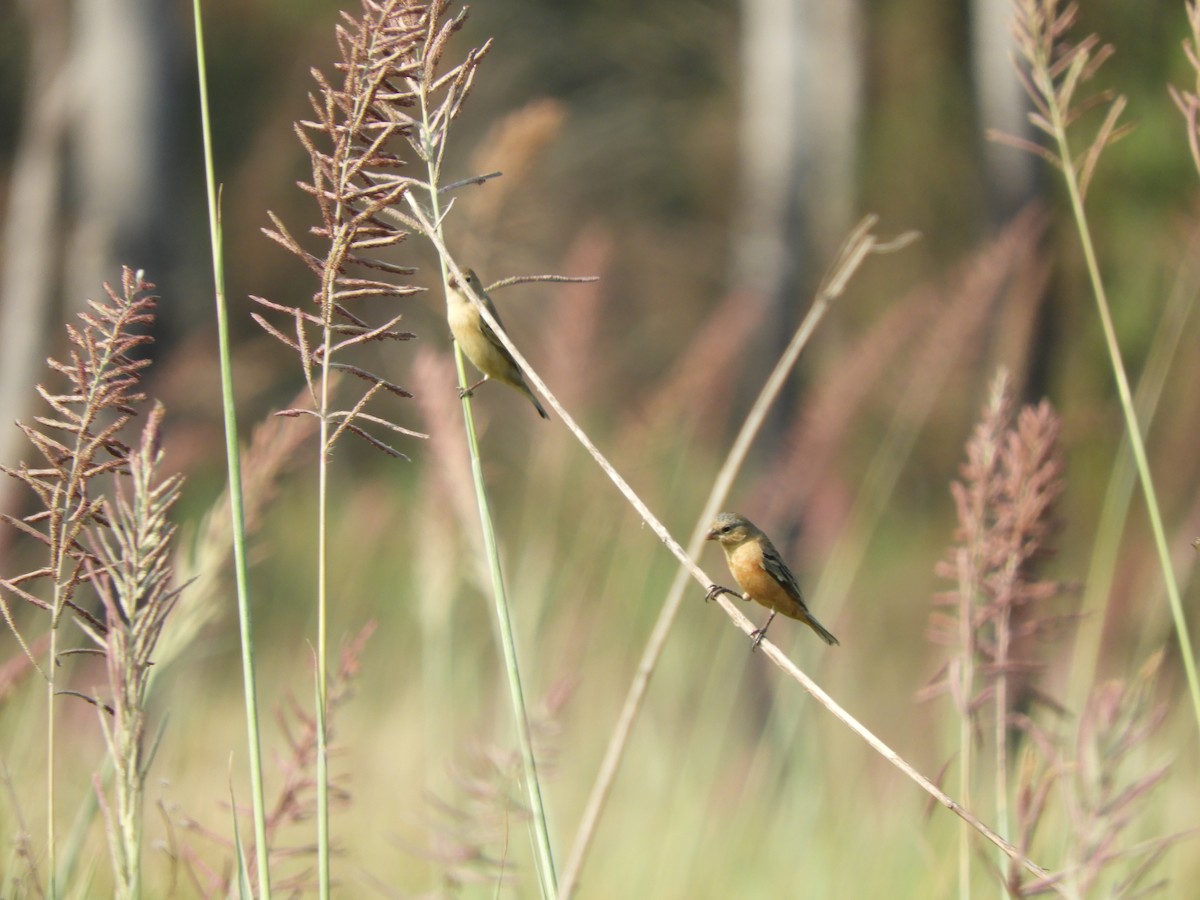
x,y
761,573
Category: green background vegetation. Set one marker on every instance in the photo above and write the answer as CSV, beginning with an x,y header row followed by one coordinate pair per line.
x,y
736,783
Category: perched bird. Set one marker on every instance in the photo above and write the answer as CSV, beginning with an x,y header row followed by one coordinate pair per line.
x,y
479,342
761,573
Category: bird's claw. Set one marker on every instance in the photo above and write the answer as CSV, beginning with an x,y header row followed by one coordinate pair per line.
x,y
714,590
756,636
464,393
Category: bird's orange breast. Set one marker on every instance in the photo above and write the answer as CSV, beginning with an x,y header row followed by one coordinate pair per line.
x,y
745,563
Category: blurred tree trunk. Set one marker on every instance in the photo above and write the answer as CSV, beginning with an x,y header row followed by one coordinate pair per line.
x,y
1027,334
1002,105
125,55
99,79
801,67
32,222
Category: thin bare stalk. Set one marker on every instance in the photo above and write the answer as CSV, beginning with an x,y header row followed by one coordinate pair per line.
x,y
740,620
777,656
974,294
860,244
234,473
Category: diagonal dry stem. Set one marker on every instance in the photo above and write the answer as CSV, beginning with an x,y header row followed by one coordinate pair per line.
x,y
772,652
858,246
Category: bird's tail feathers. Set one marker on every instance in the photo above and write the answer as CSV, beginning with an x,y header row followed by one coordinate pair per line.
x,y
536,404
823,632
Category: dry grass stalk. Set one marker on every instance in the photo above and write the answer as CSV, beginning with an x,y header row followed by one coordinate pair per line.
x,y
470,836
1188,101
352,144
1000,612
88,540
135,584
1011,480
999,624
295,801
1055,71
1115,726
1103,789
79,443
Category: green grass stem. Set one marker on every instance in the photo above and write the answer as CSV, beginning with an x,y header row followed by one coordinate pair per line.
x,y
544,855
1132,428
233,458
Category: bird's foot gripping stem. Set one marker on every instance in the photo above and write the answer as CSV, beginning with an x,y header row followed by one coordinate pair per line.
x,y
715,589
756,636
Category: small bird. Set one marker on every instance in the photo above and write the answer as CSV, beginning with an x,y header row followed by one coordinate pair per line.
x,y
479,342
761,573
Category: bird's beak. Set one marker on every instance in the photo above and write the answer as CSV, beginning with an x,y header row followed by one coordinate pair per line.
x,y
711,536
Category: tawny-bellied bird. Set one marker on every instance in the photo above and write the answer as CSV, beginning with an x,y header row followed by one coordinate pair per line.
x,y
761,573
479,342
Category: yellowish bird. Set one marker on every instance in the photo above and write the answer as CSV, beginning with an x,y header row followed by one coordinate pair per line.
x,y
761,573
479,342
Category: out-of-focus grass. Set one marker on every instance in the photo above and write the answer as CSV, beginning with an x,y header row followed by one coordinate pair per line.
x,y
735,782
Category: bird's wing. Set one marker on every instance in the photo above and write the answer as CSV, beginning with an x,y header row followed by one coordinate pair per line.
x,y
774,566
487,330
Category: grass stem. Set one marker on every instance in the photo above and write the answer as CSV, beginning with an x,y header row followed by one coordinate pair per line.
x,y
233,458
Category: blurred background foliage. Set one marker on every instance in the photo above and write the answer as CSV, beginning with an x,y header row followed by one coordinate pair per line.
x,y
620,128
